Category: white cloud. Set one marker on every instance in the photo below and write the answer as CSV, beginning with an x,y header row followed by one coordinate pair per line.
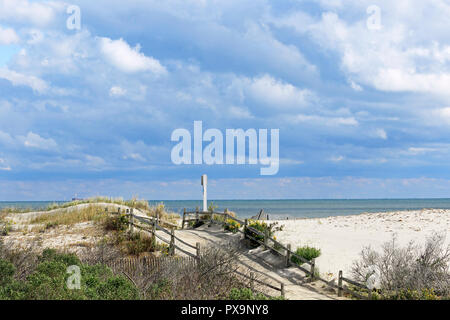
x,y
337,159
33,140
8,36
328,121
239,113
2,165
403,56
128,59
117,91
18,79
275,93
380,133
94,161
24,11
6,139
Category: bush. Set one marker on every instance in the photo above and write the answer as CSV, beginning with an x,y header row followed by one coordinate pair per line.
x,y
409,272
137,243
261,227
116,223
306,252
231,225
49,281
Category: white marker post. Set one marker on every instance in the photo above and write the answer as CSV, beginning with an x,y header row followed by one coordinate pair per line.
x,y
204,184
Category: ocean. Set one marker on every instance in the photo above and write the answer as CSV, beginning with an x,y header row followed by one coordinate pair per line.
x,y
281,209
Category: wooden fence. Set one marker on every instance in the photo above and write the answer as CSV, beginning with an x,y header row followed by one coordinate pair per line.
x,y
155,224
276,247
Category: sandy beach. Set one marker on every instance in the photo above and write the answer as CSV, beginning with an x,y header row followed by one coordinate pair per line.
x,y
342,238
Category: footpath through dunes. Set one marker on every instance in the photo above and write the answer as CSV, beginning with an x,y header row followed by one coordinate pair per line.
x,y
266,266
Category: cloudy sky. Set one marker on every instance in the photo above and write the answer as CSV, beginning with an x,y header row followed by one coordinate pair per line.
x,y
362,104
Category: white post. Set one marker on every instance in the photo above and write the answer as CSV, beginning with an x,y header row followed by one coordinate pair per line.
x,y
204,184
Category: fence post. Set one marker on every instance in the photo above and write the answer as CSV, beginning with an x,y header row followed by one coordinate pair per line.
x,y
131,220
245,228
313,268
369,295
252,281
288,255
283,293
184,218
172,242
225,216
266,238
340,284
197,219
154,230
197,246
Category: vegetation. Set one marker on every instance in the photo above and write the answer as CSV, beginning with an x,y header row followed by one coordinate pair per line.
x,y
306,252
133,203
161,212
231,225
71,217
263,228
48,281
117,222
411,272
248,294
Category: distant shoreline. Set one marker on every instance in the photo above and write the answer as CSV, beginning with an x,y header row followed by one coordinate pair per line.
x,y
280,209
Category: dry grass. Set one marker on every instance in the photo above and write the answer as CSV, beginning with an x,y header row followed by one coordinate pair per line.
x,y
90,213
160,210
133,203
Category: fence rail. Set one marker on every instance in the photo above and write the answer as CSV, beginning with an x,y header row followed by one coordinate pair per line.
x,y
248,233
155,224
278,248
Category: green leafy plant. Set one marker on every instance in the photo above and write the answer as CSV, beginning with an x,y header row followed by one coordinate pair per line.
x,y
49,281
231,225
262,228
116,222
306,252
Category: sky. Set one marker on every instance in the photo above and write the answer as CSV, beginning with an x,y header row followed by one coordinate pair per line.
x,y
359,90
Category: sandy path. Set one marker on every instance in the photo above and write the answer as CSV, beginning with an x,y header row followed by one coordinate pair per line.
x,y
264,264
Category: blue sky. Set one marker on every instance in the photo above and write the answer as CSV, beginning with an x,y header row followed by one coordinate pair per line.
x,y
362,113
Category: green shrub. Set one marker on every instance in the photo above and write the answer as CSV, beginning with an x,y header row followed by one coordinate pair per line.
x,y
261,226
49,281
408,294
162,289
7,271
231,225
116,223
308,253
138,243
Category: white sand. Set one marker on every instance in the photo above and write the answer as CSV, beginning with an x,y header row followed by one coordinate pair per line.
x,y
342,238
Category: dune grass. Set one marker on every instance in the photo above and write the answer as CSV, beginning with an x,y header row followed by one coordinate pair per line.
x,y
89,213
133,203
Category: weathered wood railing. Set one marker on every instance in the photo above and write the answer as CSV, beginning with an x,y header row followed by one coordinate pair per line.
x,y
342,288
155,224
276,247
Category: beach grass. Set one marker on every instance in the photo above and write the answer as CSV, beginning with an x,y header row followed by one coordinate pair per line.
x,y
86,214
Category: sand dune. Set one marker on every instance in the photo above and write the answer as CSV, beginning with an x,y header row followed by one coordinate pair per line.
x,y
342,238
